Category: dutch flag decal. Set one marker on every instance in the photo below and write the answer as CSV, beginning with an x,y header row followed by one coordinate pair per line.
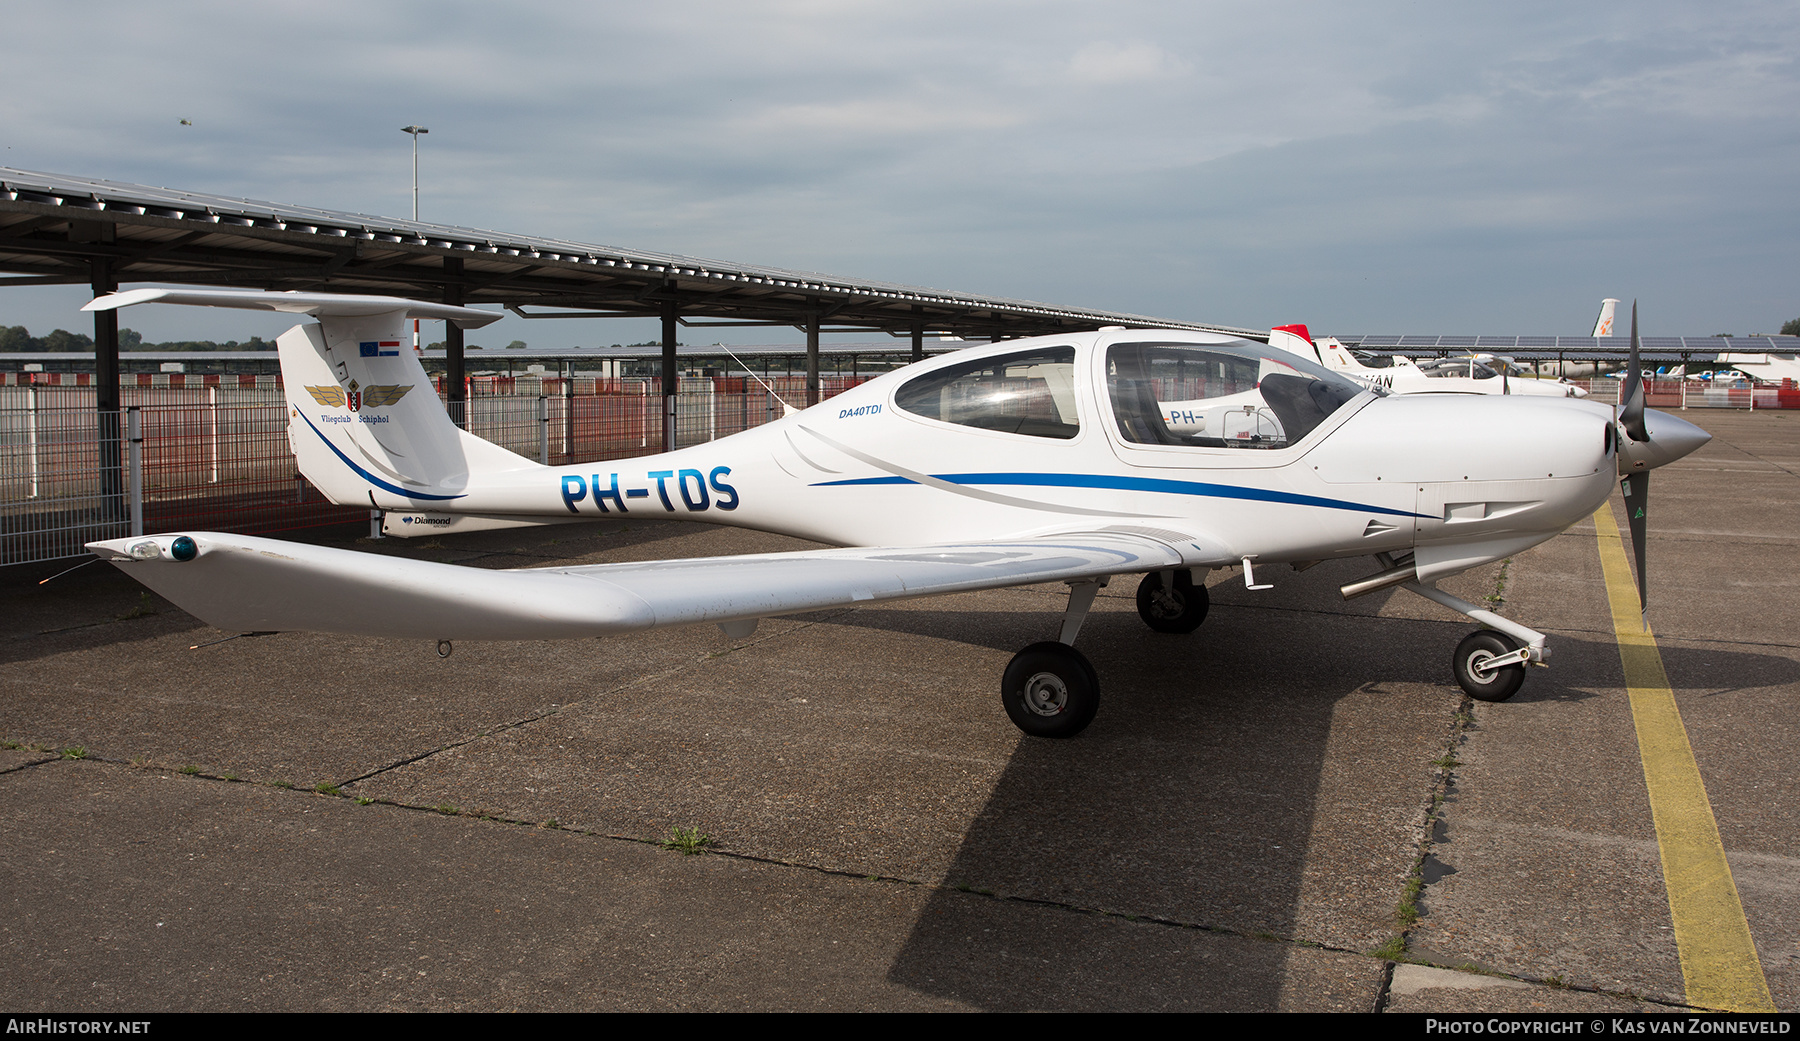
x,y
380,348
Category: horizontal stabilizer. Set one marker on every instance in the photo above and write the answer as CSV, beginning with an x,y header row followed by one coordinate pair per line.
x,y
318,305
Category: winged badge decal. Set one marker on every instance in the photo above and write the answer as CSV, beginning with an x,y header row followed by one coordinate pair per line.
x,y
373,397
380,397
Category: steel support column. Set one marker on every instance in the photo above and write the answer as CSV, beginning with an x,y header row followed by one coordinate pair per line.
x,y
918,337
671,379
106,394
456,380
812,352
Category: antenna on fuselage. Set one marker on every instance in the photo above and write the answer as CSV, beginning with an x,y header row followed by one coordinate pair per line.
x,y
787,409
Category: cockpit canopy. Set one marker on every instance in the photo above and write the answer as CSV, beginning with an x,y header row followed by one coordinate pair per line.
x,y
1231,394
1226,395
1030,392
1466,368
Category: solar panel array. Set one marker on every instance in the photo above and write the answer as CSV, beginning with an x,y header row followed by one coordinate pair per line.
x,y
251,242
1576,346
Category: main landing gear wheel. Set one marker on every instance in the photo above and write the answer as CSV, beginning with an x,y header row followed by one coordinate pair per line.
x,y
1476,679
1050,690
1179,609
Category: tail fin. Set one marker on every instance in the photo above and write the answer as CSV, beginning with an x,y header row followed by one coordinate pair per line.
x,y
364,420
1603,324
1295,340
1337,357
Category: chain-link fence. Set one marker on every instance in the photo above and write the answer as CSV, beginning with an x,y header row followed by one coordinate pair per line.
x,y
211,453
1686,393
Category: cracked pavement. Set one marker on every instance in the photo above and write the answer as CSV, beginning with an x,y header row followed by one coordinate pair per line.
x,y
1236,831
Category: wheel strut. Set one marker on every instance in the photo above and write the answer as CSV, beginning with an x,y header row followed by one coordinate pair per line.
x,y
1533,650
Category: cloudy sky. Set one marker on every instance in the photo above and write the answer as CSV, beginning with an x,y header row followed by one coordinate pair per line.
x,y
1362,167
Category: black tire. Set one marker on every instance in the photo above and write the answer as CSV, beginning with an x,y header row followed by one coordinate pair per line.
x,y
1177,610
1050,690
1487,684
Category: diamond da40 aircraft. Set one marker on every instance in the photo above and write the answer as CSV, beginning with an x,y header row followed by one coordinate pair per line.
x,y
1071,458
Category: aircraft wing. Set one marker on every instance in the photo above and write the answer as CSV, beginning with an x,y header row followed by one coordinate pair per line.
x,y
247,584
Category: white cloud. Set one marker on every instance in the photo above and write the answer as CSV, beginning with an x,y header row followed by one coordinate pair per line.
x,y
1106,62
1204,161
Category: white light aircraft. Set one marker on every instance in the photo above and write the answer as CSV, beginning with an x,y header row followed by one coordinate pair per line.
x,y
1766,368
1477,374
1068,458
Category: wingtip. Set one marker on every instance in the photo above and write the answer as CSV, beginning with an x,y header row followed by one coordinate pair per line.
x,y
125,298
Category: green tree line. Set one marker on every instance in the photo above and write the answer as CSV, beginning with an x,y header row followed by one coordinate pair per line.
x,y
18,339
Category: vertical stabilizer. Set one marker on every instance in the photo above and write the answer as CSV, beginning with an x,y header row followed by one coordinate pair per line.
x,y
1295,340
364,421
1604,323
1336,357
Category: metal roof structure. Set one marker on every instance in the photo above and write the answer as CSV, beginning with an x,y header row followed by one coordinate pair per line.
x,y
483,356
482,360
53,226
1578,347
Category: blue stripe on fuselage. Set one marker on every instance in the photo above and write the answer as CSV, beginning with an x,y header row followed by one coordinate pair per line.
x,y
366,475
1134,484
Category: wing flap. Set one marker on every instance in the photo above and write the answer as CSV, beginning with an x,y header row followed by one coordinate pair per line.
x,y
244,583
717,589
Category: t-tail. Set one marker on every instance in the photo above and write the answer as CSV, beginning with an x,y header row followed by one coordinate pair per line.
x,y
1295,339
1604,323
364,420
1329,352
1338,358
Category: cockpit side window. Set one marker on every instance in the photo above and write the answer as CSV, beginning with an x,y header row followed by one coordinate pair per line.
x,y
1219,396
1467,368
1032,393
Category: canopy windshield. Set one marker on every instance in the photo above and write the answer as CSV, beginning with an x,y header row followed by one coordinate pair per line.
x,y
1233,395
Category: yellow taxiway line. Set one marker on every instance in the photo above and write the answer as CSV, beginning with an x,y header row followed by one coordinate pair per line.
x,y
1718,959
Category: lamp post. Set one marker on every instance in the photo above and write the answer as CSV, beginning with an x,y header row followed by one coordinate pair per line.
x,y
415,131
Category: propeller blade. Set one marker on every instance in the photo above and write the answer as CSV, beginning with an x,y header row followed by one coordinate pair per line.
x,y
1637,499
1631,395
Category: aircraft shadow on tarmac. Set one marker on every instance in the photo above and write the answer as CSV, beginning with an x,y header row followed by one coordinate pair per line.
x,y
1197,797
1266,777
88,609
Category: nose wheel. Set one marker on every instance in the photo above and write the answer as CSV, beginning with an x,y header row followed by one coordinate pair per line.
x,y
1489,664
1476,671
1050,690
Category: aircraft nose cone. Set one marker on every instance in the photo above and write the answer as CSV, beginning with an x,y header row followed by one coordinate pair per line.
x,y
1671,438
1677,436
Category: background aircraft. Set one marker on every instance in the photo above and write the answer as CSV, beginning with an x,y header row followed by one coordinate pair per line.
x,y
1603,323
1071,458
1767,368
1482,374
